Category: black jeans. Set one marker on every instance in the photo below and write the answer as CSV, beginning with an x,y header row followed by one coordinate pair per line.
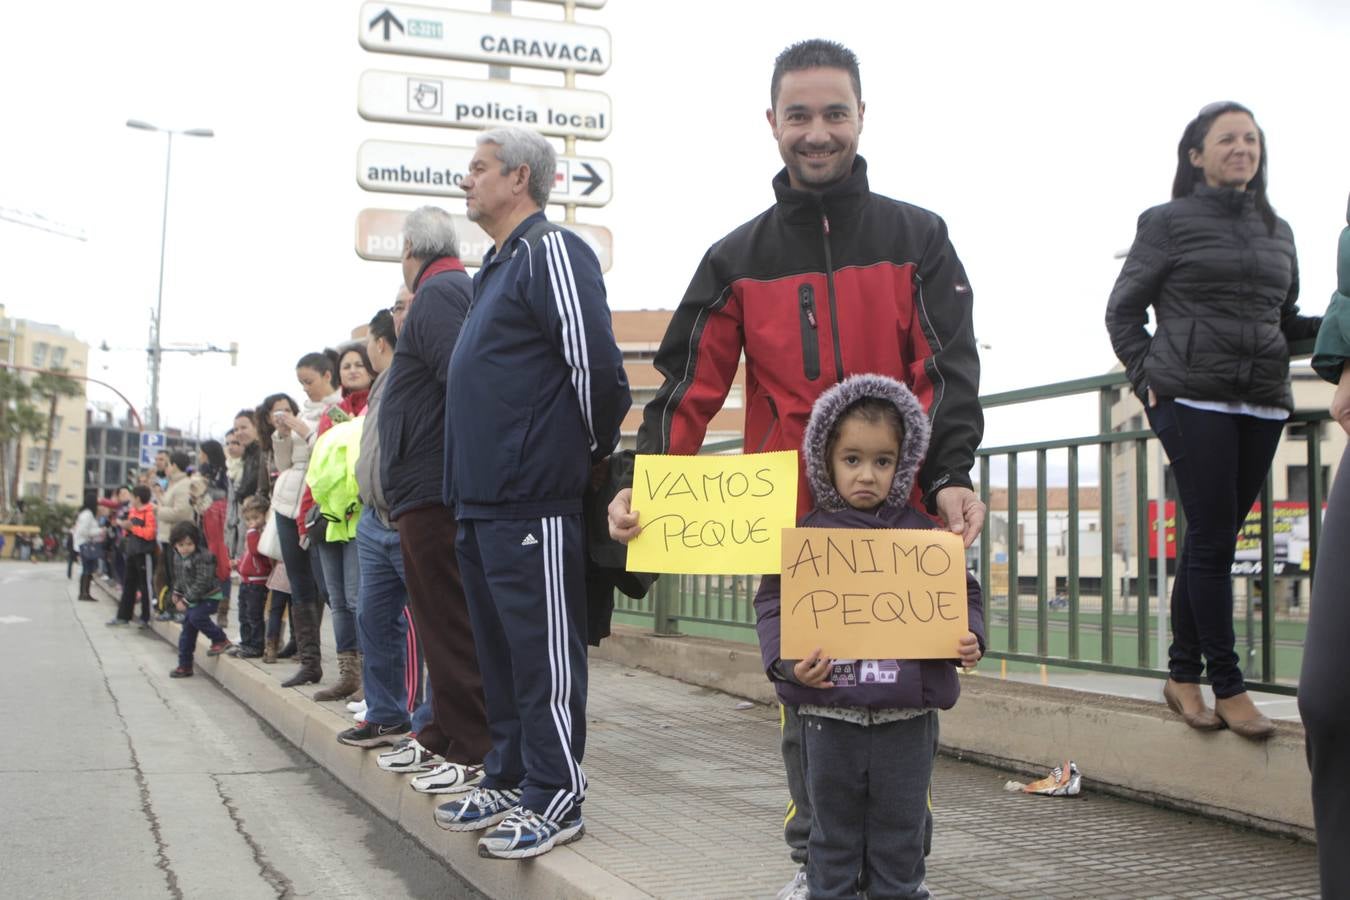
x,y
1219,462
1324,691
252,599
139,578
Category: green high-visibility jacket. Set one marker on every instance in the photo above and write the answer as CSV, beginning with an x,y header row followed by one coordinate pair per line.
x,y
331,477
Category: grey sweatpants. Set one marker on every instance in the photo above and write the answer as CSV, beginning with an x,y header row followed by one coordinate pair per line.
x,y
868,786
1324,691
797,822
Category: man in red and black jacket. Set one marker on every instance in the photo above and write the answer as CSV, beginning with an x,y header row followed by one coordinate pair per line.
x,y
832,280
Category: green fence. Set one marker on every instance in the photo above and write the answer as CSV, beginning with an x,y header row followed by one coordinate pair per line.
x,y
1089,624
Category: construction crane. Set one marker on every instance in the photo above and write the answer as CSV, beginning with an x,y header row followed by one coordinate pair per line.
x,y
41,222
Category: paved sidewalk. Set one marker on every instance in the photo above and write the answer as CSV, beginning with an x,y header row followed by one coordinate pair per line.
x,y
687,798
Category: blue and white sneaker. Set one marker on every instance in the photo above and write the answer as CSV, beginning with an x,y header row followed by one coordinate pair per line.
x,y
524,833
482,808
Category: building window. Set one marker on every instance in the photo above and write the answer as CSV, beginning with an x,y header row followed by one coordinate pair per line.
x,y
54,461
39,354
34,458
112,472
56,427
1297,479
58,357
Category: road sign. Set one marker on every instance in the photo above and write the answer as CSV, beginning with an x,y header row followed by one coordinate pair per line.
x,y
466,103
379,237
483,37
151,443
437,170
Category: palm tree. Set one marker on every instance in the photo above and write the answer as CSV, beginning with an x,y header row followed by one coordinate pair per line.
x,y
51,386
13,393
20,422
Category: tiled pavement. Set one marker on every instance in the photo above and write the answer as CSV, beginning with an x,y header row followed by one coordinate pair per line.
x,y
686,800
687,795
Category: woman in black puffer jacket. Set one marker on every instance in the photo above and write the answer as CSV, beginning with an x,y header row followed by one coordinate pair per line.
x,y
1219,270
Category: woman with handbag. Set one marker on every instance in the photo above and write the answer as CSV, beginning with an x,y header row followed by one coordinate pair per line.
x,y
87,538
1218,268
292,435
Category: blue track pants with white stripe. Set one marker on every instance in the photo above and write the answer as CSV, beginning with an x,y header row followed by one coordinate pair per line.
x,y
525,584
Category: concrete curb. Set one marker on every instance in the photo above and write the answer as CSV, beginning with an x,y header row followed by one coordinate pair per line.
x,y
313,727
1130,748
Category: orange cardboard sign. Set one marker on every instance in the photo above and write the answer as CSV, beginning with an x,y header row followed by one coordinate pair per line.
x,y
873,593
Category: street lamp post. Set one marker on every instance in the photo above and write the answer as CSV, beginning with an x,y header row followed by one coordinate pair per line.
x,y
156,351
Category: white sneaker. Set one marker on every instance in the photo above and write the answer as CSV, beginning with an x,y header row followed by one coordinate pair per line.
x,y
448,778
356,706
409,756
796,889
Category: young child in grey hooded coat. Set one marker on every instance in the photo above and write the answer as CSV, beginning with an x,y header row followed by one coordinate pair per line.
x,y
870,730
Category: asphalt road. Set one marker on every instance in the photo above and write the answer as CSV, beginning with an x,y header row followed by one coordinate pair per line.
x,y
116,781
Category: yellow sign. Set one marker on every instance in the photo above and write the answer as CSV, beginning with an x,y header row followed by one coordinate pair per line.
x,y
873,593
708,515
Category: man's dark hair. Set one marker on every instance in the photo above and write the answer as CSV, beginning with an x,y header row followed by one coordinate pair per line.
x,y
141,493
815,54
180,459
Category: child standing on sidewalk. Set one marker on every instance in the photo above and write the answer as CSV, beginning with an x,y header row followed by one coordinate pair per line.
x,y
196,594
139,547
870,729
253,571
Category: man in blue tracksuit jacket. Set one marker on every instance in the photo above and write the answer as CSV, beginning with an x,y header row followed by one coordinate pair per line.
x,y
535,396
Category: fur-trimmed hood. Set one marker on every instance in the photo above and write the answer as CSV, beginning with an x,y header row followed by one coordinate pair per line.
x,y
827,410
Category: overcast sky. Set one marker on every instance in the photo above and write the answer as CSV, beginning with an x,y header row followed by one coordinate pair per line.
x,y
1039,131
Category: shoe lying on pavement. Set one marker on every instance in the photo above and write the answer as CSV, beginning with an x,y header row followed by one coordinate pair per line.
x,y
482,808
796,889
218,648
448,778
525,833
181,672
373,734
409,756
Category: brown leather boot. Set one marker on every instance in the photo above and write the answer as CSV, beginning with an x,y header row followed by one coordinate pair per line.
x,y
305,622
270,651
223,613
349,678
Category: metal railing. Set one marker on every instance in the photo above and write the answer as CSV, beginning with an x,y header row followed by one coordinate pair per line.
x,y
1062,632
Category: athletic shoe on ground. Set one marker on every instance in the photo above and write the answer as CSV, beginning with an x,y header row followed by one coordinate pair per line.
x,y
409,756
164,617
181,672
118,622
482,808
373,734
448,778
524,833
218,648
796,889
357,706
245,653
143,623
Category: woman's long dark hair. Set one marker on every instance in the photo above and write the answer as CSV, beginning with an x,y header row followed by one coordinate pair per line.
x,y
214,470
360,351
1193,138
263,418
325,363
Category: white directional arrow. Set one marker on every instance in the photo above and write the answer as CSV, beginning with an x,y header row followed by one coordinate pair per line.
x,y
437,170
12,620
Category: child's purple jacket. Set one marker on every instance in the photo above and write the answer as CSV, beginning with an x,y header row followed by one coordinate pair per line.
x,y
920,684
